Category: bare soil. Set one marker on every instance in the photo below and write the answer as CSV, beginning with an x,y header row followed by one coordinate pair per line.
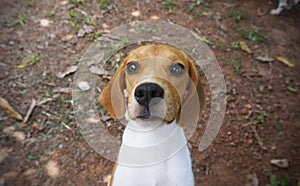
x,y
262,119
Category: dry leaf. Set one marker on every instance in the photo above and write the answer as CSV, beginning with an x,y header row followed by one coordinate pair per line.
x,y
98,70
11,112
93,120
88,29
19,135
3,154
68,71
29,172
45,22
105,26
81,32
8,129
281,163
154,17
136,13
52,169
252,180
105,118
202,39
63,3
244,46
21,65
264,58
285,61
63,90
45,100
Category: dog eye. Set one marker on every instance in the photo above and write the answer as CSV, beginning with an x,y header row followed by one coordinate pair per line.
x,y
132,67
177,69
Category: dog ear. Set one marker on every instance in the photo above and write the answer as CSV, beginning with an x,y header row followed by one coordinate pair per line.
x,y
112,96
194,101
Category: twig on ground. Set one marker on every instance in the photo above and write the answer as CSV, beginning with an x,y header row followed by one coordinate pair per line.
x,y
29,112
260,143
249,123
67,126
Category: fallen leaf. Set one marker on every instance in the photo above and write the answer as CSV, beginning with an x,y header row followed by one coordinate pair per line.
x,y
63,3
83,86
88,29
105,25
68,37
8,129
21,65
52,169
105,118
252,180
19,135
202,39
68,71
63,90
29,172
136,13
45,100
93,120
292,89
261,88
281,163
244,46
264,58
10,175
81,32
98,70
45,22
9,110
154,17
38,126
3,154
285,61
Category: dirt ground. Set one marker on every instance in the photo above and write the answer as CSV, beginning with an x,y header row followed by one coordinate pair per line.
x,y
262,122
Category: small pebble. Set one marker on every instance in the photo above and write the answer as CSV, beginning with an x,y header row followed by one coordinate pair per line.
x,y
83,86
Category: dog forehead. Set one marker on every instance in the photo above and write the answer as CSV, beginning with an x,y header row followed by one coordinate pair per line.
x,y
164,51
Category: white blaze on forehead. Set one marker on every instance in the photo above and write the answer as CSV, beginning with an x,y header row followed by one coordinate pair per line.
x,y
149,78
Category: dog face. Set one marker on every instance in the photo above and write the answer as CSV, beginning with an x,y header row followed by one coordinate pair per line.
x,y
155,82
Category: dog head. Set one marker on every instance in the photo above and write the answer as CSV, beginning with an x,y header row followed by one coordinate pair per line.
x,y
155,82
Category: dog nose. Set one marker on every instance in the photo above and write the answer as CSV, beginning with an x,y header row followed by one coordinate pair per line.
x,y
147,91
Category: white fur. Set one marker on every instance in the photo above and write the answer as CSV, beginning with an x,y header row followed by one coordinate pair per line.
x,y
283,4
168,171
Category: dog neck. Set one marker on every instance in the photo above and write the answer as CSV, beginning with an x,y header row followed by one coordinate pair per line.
x,y
143,134
157,141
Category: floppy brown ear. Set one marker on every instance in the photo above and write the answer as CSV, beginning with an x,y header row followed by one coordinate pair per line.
x,y
112,96
194,102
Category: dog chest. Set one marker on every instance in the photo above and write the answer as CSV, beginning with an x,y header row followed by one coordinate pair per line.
x,y
175,171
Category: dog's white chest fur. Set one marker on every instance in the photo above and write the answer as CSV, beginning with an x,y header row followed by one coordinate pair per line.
x,y
162,140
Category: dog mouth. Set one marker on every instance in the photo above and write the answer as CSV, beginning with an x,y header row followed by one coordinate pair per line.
x,y
152,111
146,114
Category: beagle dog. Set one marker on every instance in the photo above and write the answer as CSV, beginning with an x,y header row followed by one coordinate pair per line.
x,y
158,90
